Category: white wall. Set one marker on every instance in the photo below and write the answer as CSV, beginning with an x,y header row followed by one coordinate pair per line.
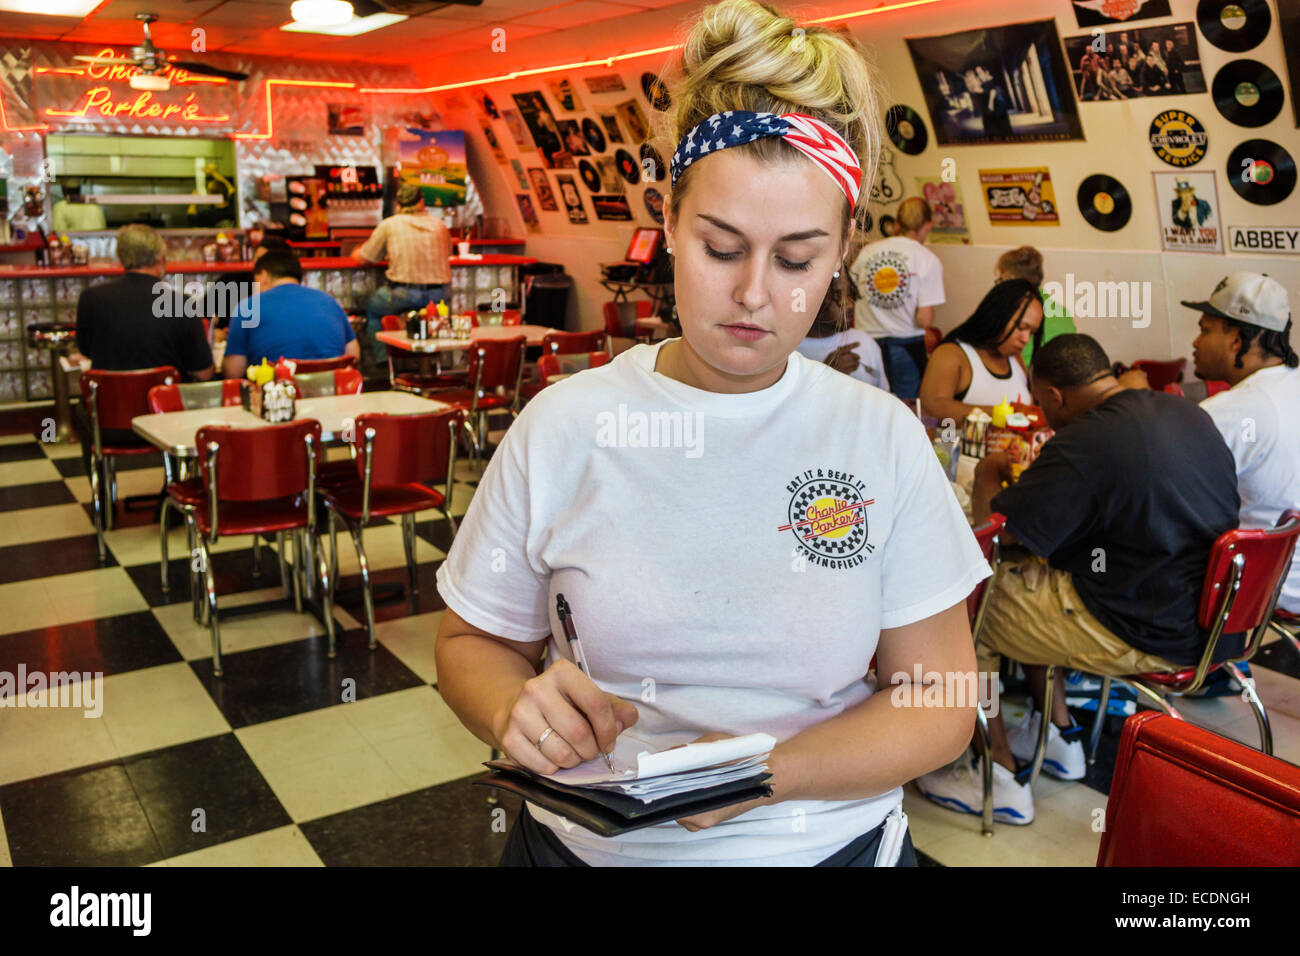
x,y
1116,143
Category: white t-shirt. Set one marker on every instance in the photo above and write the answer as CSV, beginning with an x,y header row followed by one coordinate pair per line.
x,y
694,599
985,388
871,367
895,277
1257,418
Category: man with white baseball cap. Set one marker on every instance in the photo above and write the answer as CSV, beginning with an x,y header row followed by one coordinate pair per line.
x,y
1245,340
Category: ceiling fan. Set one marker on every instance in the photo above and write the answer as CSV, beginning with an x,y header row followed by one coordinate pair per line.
x,y
152,61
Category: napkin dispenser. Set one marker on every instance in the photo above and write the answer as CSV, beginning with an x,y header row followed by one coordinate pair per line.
x,y
272,402
417,326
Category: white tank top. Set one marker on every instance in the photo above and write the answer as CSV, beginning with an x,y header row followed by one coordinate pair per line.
x,y
988,389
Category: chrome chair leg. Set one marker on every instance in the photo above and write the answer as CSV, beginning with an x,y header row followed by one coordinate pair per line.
x,y
162,542
284,564
110,483
213,623
986,749
334,549
1103,708
1256,706
257,556
1152,697
297,570
1049,686
317,548
365,581
1285,633
97,506
408,540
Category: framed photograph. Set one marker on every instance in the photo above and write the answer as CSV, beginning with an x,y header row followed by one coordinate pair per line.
x,y
612,131
1099,13
572,201
1126,64
1288,21
564,93
1005,84
546,134
527,211
346,119
611,207
604,83
948,223
1020,197
1189,212
545,196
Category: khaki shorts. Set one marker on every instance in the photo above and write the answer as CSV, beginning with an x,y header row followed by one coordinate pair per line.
x,y
1035,616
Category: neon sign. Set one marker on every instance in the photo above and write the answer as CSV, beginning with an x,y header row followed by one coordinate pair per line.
x,y
98,101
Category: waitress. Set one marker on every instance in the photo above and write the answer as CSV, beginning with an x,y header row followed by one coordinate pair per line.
x,y
738,574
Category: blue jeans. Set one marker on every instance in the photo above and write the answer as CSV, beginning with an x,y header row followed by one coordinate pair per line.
x,y
904,361
394,300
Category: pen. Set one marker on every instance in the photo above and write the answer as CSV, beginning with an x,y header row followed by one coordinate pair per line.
x,y
575,648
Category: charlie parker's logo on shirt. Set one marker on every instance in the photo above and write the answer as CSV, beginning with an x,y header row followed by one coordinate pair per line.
x,y
888,279
828,517
651,430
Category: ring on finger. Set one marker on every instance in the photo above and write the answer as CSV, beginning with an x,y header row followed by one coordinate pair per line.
x,y
544,736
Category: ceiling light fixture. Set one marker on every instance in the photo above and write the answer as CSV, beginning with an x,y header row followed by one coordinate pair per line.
x,y
321,13
148,81
50,8
354,27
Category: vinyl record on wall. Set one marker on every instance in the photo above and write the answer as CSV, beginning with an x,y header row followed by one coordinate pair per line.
x,y
906,129
1261,172
1248,93
654,204
1105,203
627,167
655,92
589,175
593,134
1234,25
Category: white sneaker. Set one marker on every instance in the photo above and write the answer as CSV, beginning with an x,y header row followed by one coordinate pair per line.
x,y
960,787
1064,760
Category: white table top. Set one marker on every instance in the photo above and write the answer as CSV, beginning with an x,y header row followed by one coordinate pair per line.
x,y
533,333
174,431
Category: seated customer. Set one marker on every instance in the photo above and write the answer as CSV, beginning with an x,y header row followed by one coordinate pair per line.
x,y
833,341
221,319
1119,510
1245,340
978,363
1026,263
287,320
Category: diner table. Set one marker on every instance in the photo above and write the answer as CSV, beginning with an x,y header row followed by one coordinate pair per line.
x,y
400,340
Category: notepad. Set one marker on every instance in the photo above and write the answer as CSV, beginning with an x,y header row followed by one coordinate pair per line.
x,y
646,786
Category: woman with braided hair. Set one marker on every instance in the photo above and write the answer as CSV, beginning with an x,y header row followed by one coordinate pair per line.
x,y
736,572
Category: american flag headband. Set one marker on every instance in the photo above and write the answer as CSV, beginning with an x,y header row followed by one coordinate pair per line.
x,y
809,135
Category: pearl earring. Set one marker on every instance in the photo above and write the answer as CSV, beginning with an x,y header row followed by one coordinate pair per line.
x,y
670,250
837,273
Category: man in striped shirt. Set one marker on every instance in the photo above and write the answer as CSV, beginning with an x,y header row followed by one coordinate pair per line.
x,y
418,249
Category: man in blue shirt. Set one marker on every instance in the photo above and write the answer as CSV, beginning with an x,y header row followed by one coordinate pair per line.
x,y
286,320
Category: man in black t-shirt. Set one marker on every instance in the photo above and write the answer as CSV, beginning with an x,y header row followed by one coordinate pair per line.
x,y
124,324
1120,510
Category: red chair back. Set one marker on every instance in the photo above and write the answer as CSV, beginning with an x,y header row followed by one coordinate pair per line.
x,y
1160,374
121,396
1173,388
307,366
570,343
1215,387
1265,560
407,448
393,323
496,363
341,381
1183,796
620,317
260,463
549,365
986,535
179,398
512,317
932,339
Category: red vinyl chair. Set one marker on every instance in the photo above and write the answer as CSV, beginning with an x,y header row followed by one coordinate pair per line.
x,y
1215,387
1183,796
621,321
307,366
340,381
552,365
260,480
408,381
932,339
399,458
1243,579
495,365
183,493
1160,374
111,400
571,343
1173,388
1287,626
988,536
